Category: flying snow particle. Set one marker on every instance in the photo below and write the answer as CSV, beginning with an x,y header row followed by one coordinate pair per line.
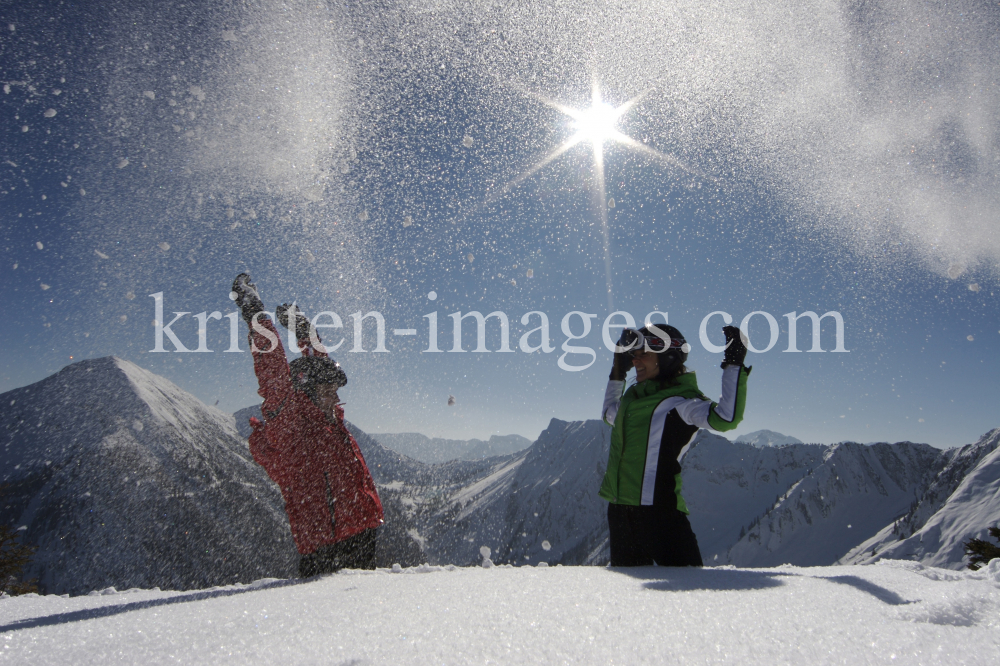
x,y
137,425
451,401
233,295
39,245
50,113
407,221
11,27
83,192
467,141
920,420
123,163
530,273
974,286
470,258
969,338
56,92
611,202
130,295
309,257
229,35
44,197
546,545
542,564
24,128
485,551
197,92
363,216
123,318
45,287
15,267
163,246
100,254
954,271
6,88
149,94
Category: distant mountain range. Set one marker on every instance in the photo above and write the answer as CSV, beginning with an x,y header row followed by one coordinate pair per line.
x,y
122,479
436,450
767,438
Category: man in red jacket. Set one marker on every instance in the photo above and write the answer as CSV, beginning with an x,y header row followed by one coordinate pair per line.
x,y
303,444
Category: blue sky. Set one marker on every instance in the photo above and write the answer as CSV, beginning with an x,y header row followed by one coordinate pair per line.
x,y
353,158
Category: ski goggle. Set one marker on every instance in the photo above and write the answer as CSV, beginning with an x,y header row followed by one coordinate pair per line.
x,y
633,340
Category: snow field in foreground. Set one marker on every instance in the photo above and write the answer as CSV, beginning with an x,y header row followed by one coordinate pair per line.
x,y
892,612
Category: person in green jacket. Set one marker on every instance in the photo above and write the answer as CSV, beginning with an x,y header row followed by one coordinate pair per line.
x,y
653,423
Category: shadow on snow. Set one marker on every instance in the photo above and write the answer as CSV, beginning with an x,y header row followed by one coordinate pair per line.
x,y
687,579
117,609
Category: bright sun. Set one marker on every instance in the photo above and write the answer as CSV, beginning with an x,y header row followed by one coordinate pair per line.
x,y
596,124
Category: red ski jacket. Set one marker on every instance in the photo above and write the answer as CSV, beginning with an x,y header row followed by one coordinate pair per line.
x,y
328,490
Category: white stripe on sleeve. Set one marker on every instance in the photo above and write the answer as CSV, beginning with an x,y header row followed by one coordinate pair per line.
x,y
730,383
612,398
694,411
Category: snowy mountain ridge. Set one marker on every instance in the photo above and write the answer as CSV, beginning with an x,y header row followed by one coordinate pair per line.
x,y
761,438
962,503
122,479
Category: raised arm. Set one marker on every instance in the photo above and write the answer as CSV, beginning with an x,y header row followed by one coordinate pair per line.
x,y
269,361
616,387
727,413
269,364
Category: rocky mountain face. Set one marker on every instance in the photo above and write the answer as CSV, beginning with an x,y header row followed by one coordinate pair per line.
x,y
961,503
852,493
122,479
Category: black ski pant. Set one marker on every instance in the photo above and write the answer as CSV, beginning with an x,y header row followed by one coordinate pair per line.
x,y
642,535
355,552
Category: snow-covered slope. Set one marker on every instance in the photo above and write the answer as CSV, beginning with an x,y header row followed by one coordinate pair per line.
x,y
540,506
763,438
853,493
728,484
123,479
891,613
967,512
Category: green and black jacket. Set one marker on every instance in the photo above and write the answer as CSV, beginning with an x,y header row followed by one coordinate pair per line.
x,y
652,428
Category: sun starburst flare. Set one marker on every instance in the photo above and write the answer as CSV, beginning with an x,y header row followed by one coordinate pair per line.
x,y
598,126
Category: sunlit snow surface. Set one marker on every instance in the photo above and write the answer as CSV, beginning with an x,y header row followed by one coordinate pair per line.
x,y
895,611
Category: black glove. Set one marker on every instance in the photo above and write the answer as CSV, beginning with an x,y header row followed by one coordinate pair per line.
x,y
299,320
246,296
623,360
623,363
736,349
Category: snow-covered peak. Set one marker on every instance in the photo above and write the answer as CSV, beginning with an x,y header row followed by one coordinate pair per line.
x,y
762,438
121,478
